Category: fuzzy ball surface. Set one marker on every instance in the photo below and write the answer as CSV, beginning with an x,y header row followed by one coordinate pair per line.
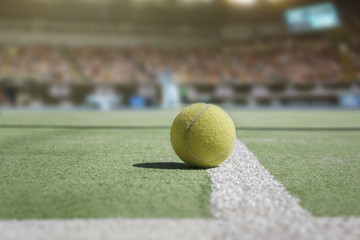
x,y
203,135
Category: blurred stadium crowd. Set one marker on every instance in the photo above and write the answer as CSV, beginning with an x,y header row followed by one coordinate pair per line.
x,y
122,54
283,60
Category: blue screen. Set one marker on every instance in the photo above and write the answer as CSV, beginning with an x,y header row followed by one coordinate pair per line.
x,y
314,17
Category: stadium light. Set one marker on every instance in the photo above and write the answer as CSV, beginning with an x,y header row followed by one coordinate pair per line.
x,y
195,1
247,2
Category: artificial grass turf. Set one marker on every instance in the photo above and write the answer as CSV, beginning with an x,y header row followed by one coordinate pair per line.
x,y
242,118
64,173
322,169
80,174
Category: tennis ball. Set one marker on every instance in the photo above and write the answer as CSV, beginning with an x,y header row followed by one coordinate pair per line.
x,y
203,135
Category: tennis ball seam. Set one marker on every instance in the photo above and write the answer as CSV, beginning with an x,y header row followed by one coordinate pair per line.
x,y
187,143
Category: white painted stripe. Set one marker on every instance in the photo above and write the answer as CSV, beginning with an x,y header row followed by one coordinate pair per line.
x,y
109,229
251,204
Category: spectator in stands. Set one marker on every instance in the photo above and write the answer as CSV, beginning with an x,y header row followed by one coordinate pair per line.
x,y
303,61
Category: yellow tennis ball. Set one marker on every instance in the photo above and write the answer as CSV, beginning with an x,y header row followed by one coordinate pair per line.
x,y
203,135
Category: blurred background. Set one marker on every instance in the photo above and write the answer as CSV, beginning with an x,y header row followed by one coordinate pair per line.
x,y
110,54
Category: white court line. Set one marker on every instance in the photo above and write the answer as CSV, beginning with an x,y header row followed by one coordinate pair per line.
x,y
109,229
247,201
251,204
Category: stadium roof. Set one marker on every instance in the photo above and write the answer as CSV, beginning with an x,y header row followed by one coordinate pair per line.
x,y
194,12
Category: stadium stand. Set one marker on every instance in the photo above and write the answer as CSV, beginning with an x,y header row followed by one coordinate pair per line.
x,y
232,58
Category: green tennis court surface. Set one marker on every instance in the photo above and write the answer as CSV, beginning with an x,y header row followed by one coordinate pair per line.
x,y
121,164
